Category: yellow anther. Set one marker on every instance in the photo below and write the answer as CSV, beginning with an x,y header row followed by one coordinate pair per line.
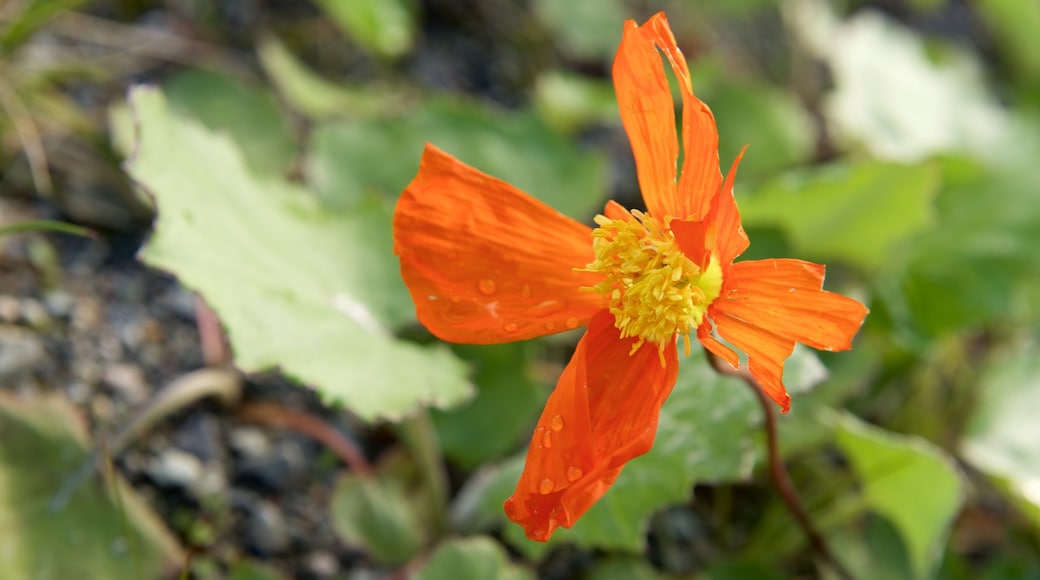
x,y
656,292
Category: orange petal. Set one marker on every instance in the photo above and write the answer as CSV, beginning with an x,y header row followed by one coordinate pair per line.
x,y
704,335
700,177
719,231
732,240
768,305
766,354
648,116
487,263
602,414
616,211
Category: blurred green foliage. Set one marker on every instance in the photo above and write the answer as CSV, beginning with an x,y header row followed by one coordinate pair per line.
x,y
903,160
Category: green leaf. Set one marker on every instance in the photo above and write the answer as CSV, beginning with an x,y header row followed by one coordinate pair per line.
x,y
349,158
247,570
248,114
584,30
385,27
907,480
875,549
776,129
1001,436
1013,25
704,435
507,404
374,514
29,18
314,292
100,529
317,97
975,265
857,213
474,558
624,568
568,101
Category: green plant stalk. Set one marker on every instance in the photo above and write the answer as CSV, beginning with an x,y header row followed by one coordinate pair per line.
x,y
46,226
420,438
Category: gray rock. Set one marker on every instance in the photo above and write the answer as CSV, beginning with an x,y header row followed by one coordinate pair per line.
x,y
20,351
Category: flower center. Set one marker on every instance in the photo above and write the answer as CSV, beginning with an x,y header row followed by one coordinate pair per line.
x,y
656,293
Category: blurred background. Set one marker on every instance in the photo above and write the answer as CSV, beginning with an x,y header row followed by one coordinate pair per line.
x,y
215,180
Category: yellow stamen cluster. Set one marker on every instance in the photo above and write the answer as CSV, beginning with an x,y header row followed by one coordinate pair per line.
x,y
656,293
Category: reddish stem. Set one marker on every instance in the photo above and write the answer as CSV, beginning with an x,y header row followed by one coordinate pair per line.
x,y
278,416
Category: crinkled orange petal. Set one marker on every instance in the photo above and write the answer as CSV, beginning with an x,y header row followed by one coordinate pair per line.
x,y
768,305
714,346
648,116
485,262
766,354
700,177
602,414
731,239
719,232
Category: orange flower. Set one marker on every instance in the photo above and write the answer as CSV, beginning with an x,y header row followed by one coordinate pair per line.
x,y
486,263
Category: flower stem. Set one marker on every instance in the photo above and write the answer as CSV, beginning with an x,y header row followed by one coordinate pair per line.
x,y
778,472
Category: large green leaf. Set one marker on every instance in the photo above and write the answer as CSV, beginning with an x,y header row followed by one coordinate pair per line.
x,y
475,558
51,529
857,213
351,157
1001,436
386,27
907,480
247,113
315,292
979,264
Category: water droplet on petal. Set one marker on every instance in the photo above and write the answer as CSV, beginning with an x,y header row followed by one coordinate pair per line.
x,y
546,486
574,473
546,440
791,290
510,327
486,286
525,291
550,326
556,423
544,308
572,322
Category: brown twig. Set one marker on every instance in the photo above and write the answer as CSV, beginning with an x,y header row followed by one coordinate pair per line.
x,y
278,416
778,471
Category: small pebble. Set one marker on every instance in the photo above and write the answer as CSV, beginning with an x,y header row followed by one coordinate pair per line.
x,y
322,564
175,468
10,310
20,351
266,533
128,381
